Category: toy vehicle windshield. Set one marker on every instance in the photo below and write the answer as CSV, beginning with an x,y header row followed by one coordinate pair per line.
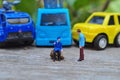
x,y
58,19
18,20
97,20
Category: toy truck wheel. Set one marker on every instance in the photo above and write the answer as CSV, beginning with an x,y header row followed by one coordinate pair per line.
x,y
117,40
28,42
2,44
100,42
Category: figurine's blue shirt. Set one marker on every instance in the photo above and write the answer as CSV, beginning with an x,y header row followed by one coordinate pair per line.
x,y
57,46
81,40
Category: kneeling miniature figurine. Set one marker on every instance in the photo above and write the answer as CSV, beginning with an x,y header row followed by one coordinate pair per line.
x,y
57,49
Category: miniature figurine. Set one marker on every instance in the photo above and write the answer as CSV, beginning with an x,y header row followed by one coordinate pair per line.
x,y
57,49
81,44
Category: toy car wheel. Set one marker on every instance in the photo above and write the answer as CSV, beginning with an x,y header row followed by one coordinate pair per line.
x,y
100,42
117,40
76,42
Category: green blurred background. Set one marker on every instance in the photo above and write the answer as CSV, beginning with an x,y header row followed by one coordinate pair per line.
x,y
79,9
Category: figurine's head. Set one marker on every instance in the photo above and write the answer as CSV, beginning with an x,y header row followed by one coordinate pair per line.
x,y
58,39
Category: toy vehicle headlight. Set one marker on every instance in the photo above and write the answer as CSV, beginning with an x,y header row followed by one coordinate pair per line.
x,y
24,20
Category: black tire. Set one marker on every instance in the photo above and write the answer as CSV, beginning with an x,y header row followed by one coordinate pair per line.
x,y
117,40
2,45
28,42
100,42
76,42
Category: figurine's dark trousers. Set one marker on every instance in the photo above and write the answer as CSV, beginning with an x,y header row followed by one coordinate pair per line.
x,y
58,54
81,53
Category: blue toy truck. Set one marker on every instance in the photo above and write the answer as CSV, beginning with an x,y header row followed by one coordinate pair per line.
x,y
53,21
16,27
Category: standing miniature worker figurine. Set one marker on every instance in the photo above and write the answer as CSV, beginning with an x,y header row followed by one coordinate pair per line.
x,y
81,44
57,49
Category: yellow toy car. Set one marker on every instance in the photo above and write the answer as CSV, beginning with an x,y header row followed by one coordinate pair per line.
x,y
100,29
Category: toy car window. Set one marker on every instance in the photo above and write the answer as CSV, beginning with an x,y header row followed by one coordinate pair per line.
x,y
97,20
119,19
24,20
18,21
111,21
58,19
13,21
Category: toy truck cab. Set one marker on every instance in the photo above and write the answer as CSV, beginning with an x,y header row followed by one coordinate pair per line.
x,y
16,27
53,21
100,29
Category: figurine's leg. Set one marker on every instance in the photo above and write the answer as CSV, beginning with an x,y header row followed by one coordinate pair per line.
x,y
54,56
59,54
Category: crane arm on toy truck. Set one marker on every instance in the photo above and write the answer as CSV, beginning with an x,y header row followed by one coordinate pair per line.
x,y
7,5
53,4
